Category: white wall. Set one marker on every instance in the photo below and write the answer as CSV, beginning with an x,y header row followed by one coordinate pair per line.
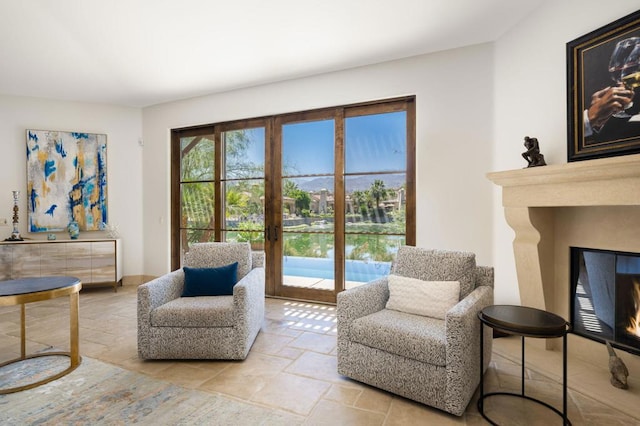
x,y
530,100
123,127
474,106
454,92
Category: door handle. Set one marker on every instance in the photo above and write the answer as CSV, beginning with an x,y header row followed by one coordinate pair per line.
x,y
275,233
267,232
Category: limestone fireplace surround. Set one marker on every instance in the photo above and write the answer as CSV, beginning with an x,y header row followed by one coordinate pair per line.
x,y
592,204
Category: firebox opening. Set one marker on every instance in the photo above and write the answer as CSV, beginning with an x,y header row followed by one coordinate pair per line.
x,y
605,296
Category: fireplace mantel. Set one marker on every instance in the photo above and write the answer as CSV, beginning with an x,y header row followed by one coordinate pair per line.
x,y
601,182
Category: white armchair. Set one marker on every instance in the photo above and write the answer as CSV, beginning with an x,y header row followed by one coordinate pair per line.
x,y
430,360
203,327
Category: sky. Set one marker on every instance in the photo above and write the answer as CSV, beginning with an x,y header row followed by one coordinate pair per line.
x,y
373,143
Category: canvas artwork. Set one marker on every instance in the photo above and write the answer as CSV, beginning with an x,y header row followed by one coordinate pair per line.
x,y
66,180
603,88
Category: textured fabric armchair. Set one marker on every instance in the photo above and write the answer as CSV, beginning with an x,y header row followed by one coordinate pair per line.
x,y
203,327
429,360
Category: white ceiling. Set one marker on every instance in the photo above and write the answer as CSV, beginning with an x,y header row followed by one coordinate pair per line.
x,y
144,52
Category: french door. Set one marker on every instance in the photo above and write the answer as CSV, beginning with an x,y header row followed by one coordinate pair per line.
x,y
328,194
310,194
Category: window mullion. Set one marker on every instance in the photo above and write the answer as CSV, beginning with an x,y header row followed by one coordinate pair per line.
x,y
339,201
219,192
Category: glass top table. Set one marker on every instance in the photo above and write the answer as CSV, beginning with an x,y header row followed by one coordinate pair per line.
x,y
24,286
27,290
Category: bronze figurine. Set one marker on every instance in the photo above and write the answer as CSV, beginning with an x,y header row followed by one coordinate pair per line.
x,y
532,154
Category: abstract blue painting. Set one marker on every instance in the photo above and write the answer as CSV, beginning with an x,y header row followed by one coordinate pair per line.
x,y
66,180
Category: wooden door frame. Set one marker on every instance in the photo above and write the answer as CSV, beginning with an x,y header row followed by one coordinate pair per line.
x,y
273,189
280,290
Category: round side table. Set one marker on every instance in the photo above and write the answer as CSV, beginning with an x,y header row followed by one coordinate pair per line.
x,y
27,290
524,322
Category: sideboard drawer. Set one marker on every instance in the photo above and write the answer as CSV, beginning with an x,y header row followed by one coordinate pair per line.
x,y
94,262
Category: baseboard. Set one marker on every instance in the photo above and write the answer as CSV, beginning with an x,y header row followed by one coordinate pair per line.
x,y
136,280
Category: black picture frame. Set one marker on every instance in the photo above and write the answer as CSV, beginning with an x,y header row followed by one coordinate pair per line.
x,y
590,84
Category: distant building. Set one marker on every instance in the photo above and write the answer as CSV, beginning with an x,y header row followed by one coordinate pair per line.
x,y
322,202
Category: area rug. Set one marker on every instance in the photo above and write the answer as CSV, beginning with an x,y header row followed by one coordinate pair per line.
x,y
97,393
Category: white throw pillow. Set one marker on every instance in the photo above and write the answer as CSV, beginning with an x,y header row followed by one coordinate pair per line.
x,y
426,298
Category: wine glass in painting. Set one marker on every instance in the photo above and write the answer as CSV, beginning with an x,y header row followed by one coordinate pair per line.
x,y
630,74
618,62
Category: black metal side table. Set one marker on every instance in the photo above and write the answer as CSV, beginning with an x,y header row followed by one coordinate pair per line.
x,y
525,322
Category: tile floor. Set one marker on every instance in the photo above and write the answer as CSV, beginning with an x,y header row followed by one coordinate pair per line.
x,y
291,367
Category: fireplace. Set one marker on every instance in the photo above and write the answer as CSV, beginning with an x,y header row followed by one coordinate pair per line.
x,y
594,203
605,296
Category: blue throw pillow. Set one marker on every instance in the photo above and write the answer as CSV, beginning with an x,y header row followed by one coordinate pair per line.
x,y
210,281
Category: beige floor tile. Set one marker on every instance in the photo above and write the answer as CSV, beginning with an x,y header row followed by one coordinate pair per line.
x,y
117,354
317,318
290,353
404,412
588,411
233,385
92,349
112,341
374,400
315,342
312,326
346,395
316,365
280,327
9,350
270,343
291,392
333,413
242,379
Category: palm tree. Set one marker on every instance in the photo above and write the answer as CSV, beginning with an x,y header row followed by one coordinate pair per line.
x,y
378,191
360,200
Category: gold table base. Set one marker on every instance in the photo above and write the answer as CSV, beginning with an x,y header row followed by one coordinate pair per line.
x,y
73,291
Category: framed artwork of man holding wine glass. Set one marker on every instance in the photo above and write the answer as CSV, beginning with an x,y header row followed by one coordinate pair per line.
x,y
603,91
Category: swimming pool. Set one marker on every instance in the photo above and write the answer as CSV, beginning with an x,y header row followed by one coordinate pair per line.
x,y
355,270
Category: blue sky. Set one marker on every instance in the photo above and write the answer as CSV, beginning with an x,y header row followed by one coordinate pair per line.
x,y
307,148
376,143
373,143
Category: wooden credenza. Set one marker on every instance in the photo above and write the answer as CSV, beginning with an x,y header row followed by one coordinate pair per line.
x,y
94,262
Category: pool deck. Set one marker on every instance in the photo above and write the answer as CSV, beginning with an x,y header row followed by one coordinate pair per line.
x,y
319,283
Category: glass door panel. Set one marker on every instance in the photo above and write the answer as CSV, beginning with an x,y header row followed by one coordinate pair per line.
x,y
243,184
375,183
308,214
197,188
